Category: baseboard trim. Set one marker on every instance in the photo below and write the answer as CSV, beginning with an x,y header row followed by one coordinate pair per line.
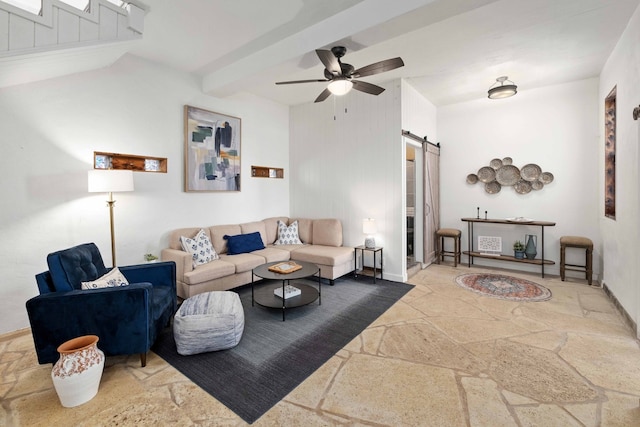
x,y
632,324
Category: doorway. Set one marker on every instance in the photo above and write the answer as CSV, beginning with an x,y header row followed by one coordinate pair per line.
x,y
413,201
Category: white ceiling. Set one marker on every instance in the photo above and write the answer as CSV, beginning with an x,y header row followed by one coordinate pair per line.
x,y
453,49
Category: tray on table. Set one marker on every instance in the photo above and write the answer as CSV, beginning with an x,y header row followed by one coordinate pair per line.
x,y
285,267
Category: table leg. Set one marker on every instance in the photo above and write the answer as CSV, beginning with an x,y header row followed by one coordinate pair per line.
x,y
319,288
355,263
283,299
375,271
251,288
470,242
381,265
542,226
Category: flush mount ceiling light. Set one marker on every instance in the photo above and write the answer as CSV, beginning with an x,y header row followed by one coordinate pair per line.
x,y
502,90
340,86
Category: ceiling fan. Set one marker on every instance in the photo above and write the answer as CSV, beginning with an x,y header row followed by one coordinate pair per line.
x,y
342,76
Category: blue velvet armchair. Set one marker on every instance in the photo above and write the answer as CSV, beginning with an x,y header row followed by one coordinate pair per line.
x,y
127,319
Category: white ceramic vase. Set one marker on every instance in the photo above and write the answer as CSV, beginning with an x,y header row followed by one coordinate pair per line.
x,y
76,375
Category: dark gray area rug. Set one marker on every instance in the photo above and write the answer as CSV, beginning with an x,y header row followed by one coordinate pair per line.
x,y
273,356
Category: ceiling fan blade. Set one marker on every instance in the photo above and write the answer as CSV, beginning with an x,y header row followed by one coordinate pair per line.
x,y
379,67
329,61
367,87
301,81
324,95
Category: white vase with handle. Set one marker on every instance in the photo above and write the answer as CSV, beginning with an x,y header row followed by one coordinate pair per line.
x,y
76,375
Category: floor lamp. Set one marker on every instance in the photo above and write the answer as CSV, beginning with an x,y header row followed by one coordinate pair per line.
x,y
110,181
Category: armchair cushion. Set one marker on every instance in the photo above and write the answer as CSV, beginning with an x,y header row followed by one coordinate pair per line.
x,y
70,267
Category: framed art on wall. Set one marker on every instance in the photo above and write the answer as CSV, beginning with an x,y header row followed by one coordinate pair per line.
x,y
211,151
610,154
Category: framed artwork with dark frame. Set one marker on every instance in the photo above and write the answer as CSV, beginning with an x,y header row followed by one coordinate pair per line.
x,y
610,154
211,151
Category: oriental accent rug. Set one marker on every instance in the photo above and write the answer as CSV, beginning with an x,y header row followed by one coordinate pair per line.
x,y
274,357
504,287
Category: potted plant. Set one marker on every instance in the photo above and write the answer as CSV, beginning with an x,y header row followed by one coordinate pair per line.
x,y
518,249
150,258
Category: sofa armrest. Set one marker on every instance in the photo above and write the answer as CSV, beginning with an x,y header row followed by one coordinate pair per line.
x,y
118,316
184,263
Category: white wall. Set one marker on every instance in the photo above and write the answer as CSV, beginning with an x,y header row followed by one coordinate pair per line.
x,y
620,236
556,127
419,115
351,167
49,132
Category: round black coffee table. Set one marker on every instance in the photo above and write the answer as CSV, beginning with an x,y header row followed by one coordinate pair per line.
x,y
265,296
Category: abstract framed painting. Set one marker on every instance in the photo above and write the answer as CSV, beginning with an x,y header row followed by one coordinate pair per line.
x,y
211,151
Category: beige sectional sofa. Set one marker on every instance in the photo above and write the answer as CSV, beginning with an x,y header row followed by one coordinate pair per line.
x,y
322,245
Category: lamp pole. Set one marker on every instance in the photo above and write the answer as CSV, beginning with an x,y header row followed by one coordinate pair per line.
x,y
110,181
111,202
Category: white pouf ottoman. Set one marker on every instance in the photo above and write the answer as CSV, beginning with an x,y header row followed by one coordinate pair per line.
x,y
208,322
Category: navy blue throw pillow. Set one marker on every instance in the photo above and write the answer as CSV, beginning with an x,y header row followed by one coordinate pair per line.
x,y
243,243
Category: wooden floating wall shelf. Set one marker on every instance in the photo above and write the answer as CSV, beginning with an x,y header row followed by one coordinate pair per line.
x,y
266,172
102,160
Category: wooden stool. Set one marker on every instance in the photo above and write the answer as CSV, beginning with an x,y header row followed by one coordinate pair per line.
x,y
440,252
580,243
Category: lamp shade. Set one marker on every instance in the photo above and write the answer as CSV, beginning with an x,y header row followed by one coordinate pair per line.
x,y
369,226
110,181
340,86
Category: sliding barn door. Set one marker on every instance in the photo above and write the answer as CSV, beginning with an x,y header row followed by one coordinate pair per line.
x,y
431,186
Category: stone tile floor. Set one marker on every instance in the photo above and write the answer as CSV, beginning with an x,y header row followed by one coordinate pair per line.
x,y
441,356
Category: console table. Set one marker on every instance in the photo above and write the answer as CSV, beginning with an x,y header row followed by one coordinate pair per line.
x,y
539,261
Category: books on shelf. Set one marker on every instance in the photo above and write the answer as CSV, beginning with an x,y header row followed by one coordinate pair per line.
x,y
289,291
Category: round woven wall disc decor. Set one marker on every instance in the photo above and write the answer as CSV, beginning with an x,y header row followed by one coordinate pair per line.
x,y
522,187
495,163
486,174
546,177
530,172
492,187
508,175
507,161
504,287
537,185
472,178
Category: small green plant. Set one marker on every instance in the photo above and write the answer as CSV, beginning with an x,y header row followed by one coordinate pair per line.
x,y
518,246
150,257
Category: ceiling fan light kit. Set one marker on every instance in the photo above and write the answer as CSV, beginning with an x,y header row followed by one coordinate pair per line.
x,y
500,90
340,87
342,77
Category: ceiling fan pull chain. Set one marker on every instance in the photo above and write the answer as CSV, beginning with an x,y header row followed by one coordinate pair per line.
x,y
334,108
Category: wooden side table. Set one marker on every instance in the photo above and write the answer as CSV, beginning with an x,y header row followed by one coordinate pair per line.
x,y
374,269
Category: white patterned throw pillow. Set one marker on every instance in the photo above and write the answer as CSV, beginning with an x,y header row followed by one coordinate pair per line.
x,y
112,279
200,248
288,235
